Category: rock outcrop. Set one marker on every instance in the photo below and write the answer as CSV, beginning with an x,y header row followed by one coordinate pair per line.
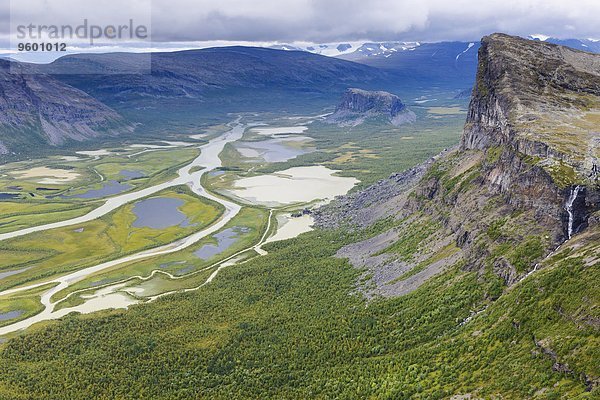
x,y
356,106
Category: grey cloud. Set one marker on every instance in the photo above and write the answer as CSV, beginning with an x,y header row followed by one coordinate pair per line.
x,y
333,20
336,20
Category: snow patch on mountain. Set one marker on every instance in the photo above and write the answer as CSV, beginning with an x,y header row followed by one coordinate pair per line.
x,y
539,36
365,49
324,49
385,49
467,49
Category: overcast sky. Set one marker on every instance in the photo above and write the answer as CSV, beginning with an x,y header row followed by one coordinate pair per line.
x,y
339,20
197,23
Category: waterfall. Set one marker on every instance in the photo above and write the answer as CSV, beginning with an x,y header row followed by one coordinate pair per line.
x,y
569,207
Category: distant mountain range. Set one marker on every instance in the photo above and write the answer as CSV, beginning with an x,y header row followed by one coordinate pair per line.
x,y
444,64
447,64
361,50
201,73
589,45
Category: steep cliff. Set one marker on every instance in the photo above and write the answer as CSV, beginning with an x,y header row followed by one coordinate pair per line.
x,y
358,105
537,106
541,99
522,182
37,110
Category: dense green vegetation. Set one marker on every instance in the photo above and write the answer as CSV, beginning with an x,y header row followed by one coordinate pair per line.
x,y
285,326
182,264
18,215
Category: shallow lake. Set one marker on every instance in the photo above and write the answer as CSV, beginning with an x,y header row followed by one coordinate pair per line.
x,y
6,274
94,153
278,130
166,265
293,185
10,315
159,213
110,188
51,176
272,150
101,282
224,239
289,227
185,270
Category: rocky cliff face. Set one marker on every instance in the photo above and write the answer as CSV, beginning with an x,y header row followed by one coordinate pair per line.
x,y
541,99
358,105
521,182
38,110
537,104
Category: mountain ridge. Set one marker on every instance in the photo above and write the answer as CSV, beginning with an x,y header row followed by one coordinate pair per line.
x,y
192,73
490,207
38,110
